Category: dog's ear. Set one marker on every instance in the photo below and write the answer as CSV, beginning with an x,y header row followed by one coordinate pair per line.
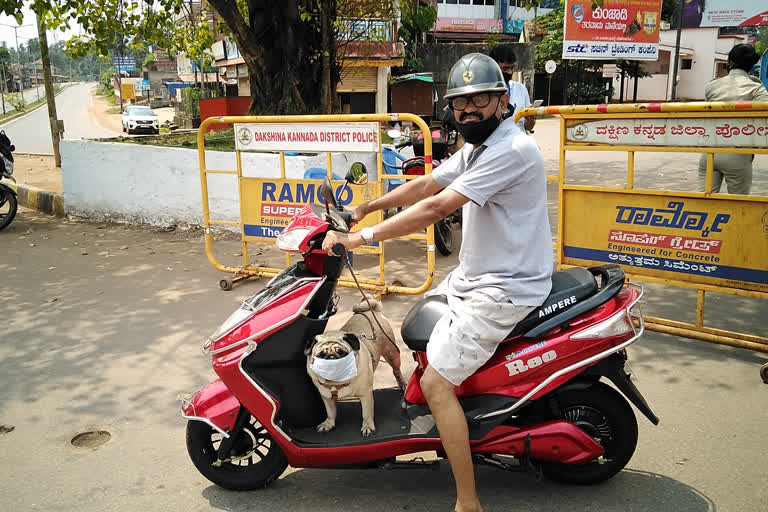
x,y
352,340
309,345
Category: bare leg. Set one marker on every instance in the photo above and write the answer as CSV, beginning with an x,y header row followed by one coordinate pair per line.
x,y
454,434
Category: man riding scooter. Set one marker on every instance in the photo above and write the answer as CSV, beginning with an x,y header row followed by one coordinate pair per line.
x,y
505,262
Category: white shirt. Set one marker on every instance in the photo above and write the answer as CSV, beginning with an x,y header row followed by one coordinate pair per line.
x,y
519,99
506,241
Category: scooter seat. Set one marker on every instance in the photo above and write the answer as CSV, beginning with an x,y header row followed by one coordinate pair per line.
x,y
569,287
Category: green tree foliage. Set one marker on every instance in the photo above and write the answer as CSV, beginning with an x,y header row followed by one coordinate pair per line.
x,y
416,19
761,45
16,101
551,46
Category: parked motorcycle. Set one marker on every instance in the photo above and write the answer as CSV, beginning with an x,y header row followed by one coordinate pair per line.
x,y
539,405
8,203
444,142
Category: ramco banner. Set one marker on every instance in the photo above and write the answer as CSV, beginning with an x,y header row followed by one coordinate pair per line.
x,y
724,13
723,242
620,29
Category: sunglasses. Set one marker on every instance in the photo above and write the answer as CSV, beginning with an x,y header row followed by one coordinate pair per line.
x,y
479,100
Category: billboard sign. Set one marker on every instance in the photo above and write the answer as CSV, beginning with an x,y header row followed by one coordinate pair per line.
x,y
447,24
620,29
667,237
724,13
124,63
268,204
127,91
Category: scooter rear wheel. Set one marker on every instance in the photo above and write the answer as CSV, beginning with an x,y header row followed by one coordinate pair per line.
x,y
255,462
8,208
605,415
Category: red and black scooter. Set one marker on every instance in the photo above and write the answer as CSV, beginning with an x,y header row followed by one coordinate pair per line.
x,y
539,404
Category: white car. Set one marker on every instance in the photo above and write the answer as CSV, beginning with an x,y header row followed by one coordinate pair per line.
x,y
138,119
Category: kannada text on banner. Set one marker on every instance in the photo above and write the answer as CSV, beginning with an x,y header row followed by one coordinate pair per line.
x,y
620,29
723,243
679,132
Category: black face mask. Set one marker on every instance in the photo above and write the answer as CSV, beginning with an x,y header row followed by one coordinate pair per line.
x,y
477,131
507,76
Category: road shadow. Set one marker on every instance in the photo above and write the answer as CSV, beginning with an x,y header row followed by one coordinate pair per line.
x,y
319,490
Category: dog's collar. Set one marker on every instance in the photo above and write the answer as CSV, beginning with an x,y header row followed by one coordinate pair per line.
x,y
334,388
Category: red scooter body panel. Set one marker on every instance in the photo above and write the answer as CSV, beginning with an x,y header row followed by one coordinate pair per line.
x,y
271,317
520,364
558,441
215,405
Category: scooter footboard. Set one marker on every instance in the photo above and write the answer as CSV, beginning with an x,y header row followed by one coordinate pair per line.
x,y
555,441
214,405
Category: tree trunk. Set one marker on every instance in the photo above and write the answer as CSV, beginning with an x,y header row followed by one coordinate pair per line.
x,y
284,54
49,93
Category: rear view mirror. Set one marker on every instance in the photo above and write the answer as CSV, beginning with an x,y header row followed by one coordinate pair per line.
x,y
358,174
326,192
394,133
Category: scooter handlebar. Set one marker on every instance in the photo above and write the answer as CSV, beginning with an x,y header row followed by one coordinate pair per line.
x,y
338,249
403,144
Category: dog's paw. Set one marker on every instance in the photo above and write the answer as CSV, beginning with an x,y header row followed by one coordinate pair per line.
x,y
326,426
368,429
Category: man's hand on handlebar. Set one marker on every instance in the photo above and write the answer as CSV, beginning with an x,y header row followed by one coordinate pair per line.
x,y
350,241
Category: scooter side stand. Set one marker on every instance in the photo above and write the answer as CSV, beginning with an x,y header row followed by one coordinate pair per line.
x,y
525,463
415,463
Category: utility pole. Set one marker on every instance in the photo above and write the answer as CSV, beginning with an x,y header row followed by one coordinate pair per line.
x,y
677,48
18,54
3,87
52,117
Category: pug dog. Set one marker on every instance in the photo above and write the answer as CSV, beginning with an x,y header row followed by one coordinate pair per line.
x,y
365,340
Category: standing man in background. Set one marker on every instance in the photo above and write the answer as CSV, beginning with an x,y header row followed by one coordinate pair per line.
x,y
505,57
736,86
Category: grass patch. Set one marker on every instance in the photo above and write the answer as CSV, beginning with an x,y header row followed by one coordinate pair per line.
x,y
223,140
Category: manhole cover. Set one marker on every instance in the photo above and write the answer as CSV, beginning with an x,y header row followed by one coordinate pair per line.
x,y
91,439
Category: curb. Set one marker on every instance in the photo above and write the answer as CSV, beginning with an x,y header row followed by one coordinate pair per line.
x,y
39,199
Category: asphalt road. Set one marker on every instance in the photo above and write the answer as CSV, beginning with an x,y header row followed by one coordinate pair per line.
x,y
31,133
102,328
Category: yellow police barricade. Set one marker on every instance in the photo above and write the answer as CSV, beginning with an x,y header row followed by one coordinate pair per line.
x,y
267,204
701,240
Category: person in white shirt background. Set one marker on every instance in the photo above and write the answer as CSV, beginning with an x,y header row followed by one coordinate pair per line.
x,y
505,57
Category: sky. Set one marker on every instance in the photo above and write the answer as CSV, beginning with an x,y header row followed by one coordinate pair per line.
x,y
27,32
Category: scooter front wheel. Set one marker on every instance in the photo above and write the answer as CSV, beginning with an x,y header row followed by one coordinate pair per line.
x,y
604,415
255,461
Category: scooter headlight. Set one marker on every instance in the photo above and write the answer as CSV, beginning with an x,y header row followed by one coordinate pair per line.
x,y
290,241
